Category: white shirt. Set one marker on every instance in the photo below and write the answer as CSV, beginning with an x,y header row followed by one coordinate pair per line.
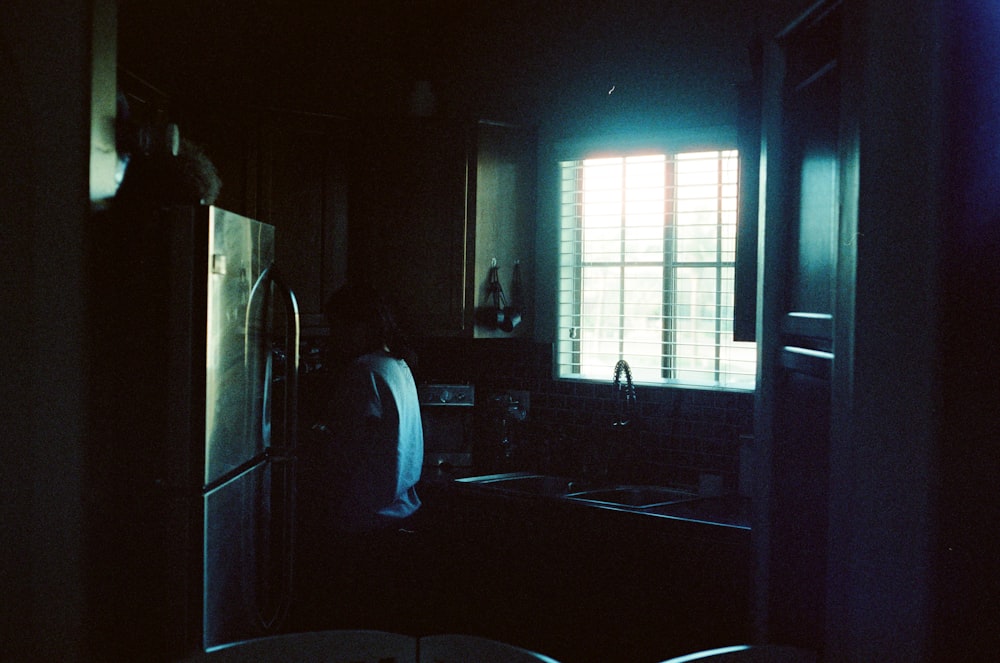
x,y
377,444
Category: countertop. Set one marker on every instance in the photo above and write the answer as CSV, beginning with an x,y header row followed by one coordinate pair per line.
x,y
730,511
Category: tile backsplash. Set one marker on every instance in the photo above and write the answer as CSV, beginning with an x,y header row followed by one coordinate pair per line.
x,y
677,436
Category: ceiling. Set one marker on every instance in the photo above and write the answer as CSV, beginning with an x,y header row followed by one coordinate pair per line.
x,y
515,60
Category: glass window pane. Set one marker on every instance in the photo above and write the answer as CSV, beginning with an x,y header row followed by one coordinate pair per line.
x,y
647,248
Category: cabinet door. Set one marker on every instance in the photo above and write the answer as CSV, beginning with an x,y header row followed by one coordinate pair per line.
x,y
304,195
234,152
505,206
410,199
288,170
794,406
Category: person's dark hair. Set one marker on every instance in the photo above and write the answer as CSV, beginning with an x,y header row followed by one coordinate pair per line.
x,y
362,303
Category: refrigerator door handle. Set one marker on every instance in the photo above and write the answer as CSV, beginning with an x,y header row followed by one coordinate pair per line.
x,y
290,377
271,613
289,356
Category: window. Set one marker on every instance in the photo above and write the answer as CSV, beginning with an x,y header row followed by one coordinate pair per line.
x,y
647,256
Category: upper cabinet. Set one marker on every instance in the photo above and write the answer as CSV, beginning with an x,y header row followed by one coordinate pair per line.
x,y
410,206
289,170
303,193
505,233
431,200
420,207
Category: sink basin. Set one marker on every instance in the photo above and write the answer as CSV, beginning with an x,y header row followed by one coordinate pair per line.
x,y
529,484
635,497
543,485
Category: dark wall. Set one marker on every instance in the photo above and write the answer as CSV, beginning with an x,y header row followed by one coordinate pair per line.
x,y
44,119
674,437
968,582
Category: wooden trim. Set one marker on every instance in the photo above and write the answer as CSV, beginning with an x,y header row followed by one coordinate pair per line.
x,y
807,325
815,363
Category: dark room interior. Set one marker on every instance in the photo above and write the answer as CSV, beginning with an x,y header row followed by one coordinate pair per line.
x,y
841,502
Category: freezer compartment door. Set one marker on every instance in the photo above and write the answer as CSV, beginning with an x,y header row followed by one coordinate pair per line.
x,y
239,252
248,553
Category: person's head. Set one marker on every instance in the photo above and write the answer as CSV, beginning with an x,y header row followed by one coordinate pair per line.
x,y
361,321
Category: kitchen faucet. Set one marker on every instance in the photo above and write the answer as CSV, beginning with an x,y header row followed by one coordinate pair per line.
x,y
613,455
624,397
511,409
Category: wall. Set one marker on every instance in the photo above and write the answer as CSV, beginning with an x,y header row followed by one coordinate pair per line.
x,y
678,434
674,67
886,385
966,618
44,205
624,70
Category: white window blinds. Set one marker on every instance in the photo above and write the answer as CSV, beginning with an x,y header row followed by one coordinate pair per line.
x,y
647,254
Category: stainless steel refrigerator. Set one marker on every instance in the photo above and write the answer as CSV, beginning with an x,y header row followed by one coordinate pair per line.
x,y
251,362
197,431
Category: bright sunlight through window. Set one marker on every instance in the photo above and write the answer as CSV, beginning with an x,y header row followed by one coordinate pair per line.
x,y
647,260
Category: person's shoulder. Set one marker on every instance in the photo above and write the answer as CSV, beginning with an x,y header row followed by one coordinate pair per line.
x,y
365,368
376,362
384,367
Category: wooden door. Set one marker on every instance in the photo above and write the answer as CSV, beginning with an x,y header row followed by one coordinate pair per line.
x,y
794,404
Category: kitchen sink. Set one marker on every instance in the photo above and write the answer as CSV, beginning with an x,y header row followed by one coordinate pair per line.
x,y
525,483
636,497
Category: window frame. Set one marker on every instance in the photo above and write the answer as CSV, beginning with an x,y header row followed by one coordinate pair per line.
x,y
630,146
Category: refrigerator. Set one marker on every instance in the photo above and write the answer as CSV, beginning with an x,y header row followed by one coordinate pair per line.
x,y
247,489
197,432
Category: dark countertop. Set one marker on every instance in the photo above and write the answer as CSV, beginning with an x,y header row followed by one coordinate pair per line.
x,y
445,474
729,511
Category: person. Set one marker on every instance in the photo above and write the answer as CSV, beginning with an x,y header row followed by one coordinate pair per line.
x,y
361,463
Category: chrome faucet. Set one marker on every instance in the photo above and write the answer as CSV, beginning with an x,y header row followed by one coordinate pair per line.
x,y
511,409
624,397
